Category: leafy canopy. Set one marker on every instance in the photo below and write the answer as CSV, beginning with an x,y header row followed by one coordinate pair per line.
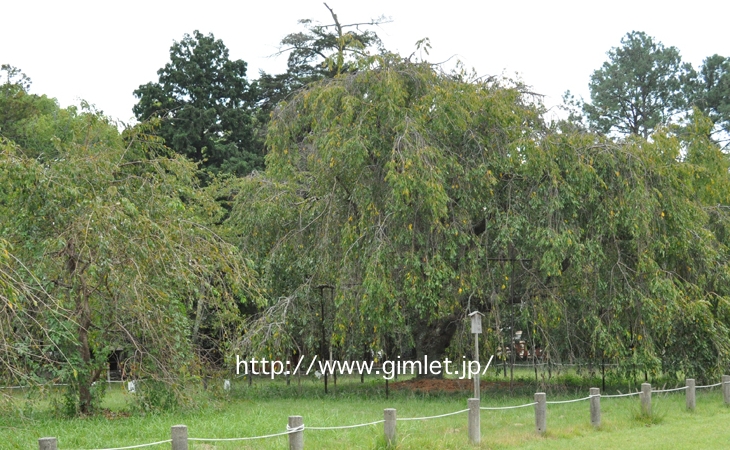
x,y
318,52
641,86
206,105
421,196
713,91
108,245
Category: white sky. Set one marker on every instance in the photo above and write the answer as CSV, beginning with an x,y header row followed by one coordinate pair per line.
x,y
101,51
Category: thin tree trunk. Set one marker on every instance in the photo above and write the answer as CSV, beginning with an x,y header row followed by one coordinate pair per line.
x,y
84,378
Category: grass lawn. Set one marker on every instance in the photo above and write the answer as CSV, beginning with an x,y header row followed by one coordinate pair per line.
x,y
264,408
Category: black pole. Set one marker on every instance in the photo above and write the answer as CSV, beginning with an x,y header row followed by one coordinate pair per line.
x,y
322,344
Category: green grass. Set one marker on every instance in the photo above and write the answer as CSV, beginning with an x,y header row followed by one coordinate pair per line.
x,y
265,407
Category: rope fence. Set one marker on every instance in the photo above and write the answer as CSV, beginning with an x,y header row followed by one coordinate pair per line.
x,y
662,391
502,408
345,427
137,446
559,402
434,417
620,395
295,427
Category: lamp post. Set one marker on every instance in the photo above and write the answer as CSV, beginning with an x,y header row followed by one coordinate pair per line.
x,y
476,329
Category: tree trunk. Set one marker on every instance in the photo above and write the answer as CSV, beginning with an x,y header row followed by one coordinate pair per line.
x,y
83,375
432,340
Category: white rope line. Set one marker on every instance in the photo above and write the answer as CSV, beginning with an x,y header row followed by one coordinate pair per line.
x,y
343,427
709,386
495,408
432,417
557,402
288,431
621,395
299,428
137,446
668,390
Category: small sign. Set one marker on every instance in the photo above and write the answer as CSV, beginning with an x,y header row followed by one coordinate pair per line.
x,y
476,322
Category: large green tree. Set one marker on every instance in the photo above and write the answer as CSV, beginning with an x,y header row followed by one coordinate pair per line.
x,y
109,245
376,185
712,95
642,86
206,104
420,196
319,51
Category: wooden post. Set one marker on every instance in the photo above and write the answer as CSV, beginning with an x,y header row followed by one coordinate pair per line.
x,y
389,415
595,401
179,437
540,413
726,388
646,399
48,443
690,394
296,439
475,433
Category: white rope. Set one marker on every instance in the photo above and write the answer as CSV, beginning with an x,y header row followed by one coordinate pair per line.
x,y
242,438
709,386
669,390
621,395
289,430
432,417
343,427
137,446
557,402
494,408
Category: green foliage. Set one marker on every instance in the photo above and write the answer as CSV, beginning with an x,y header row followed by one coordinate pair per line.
x,y
324,51
108,245
155,397
713,91
641,86
421,196
318,52
375,183
206,105
20,111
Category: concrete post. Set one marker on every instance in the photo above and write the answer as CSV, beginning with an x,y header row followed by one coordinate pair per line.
x,y
540,413
477,387
475,433
48,443
296,439
690,394
179,437
389,415
646,399
595,407
726,388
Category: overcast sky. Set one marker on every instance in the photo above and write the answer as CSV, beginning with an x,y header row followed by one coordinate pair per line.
x,y
101,51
